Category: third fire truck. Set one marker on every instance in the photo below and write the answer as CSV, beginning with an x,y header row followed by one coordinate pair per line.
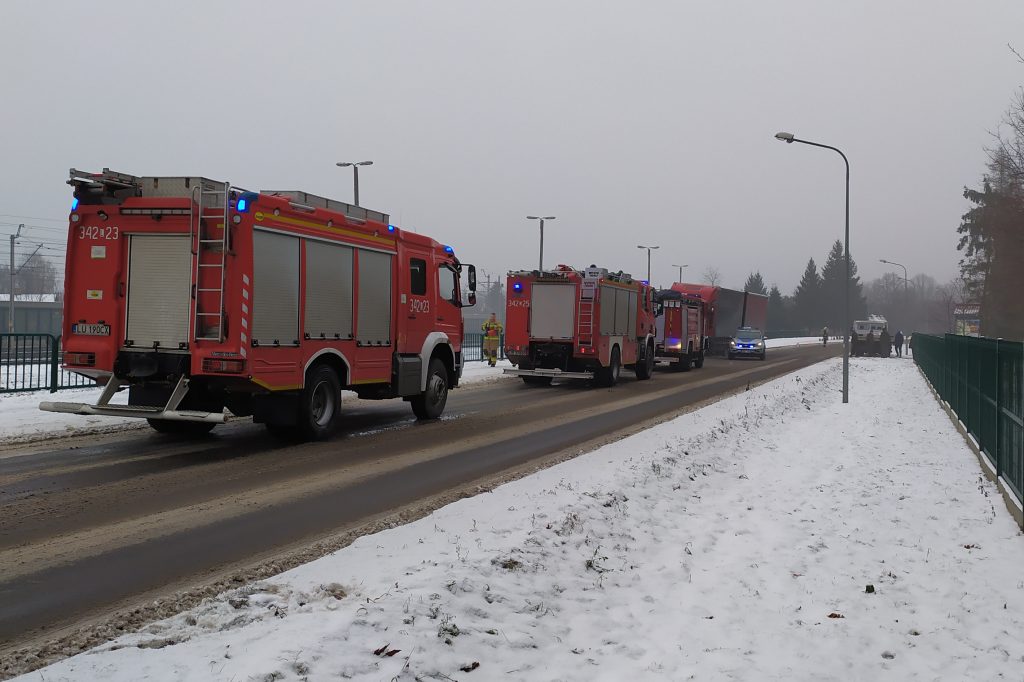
x,y
197,296
568,323
681,328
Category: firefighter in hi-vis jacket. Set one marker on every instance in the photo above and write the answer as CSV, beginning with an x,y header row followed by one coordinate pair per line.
x,y
492,335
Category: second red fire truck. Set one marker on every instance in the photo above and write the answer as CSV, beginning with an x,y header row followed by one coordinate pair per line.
x,y
681,323
198,296
568,323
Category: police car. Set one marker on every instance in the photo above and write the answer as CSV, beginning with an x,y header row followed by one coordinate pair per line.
x,y
747,341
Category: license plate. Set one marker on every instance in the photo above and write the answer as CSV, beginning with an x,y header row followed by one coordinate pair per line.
x,y
91,329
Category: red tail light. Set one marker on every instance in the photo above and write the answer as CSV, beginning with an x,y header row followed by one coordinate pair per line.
x,y
80,359
220,366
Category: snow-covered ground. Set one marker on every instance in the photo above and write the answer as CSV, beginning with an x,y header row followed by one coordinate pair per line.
x,y
797,341
774,535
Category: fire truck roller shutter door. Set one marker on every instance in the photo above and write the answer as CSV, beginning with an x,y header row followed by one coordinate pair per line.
x,y
374,311
607,311
328,291
552,311
159,277
621,312
275,306
629,324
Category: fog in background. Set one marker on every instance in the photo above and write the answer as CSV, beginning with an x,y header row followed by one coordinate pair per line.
x,y
633,123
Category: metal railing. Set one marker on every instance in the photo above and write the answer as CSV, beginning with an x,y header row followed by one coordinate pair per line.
x,y
982,380
31,362
473,347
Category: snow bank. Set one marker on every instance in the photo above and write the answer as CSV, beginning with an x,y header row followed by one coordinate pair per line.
x,y
777,534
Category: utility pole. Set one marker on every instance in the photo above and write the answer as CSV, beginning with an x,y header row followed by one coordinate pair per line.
x,y
10,317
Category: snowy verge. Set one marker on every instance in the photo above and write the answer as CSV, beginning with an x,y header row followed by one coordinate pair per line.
x,y
776,534
797,341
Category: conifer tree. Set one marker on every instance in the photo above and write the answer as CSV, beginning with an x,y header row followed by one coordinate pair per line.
x,y
755,284
777,318
807,298
833,289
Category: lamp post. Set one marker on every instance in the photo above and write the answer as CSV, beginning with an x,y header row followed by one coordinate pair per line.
x,y
540,265
10,319
681,271
649,249
789,138
355,169
906,292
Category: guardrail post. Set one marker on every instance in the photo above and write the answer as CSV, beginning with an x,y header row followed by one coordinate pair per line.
x,y
54,362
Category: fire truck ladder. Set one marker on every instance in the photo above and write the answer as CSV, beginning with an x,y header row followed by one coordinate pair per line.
x,y
585,323
210,213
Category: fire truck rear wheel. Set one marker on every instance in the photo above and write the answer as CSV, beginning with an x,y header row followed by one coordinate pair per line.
x,y
176,428
536,381
320,406
645,367
430,404
699,362
609,376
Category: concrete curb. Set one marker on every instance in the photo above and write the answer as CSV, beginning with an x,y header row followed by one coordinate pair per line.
x,y
1013,505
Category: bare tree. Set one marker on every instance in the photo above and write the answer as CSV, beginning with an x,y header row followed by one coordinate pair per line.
x,y
951,295
712,276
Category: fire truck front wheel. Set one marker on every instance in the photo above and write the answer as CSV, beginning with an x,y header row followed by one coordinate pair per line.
x,y
320,404
645,365
430,404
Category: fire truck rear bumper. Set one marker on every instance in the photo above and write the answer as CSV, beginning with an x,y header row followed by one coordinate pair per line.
x,y
168,412
553,373
139,411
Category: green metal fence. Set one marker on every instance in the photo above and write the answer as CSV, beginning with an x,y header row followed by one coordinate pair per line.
x,y
473,347
982,380
31,362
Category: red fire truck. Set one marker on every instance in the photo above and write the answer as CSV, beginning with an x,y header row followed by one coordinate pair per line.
x,y
199,296
680,336
725,311
583,325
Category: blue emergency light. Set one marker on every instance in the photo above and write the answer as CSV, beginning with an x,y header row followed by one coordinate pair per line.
x,y
74,204
517,286
391,228
245,201
449,249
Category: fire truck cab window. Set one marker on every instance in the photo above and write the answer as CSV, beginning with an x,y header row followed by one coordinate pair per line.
x,y
446,288
417,276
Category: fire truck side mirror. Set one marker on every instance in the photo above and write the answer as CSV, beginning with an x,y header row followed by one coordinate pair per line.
x,y
471,299
471,281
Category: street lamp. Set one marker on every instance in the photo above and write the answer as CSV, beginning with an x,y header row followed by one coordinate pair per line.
x,y
10,319
355,169
540,266
789,138
649,249
906,295
681,271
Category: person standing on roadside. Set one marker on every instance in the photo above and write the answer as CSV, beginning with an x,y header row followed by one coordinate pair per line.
x,y
492,335
898,342
824,336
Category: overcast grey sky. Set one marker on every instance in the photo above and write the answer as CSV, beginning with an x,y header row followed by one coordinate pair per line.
x,y
632,122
